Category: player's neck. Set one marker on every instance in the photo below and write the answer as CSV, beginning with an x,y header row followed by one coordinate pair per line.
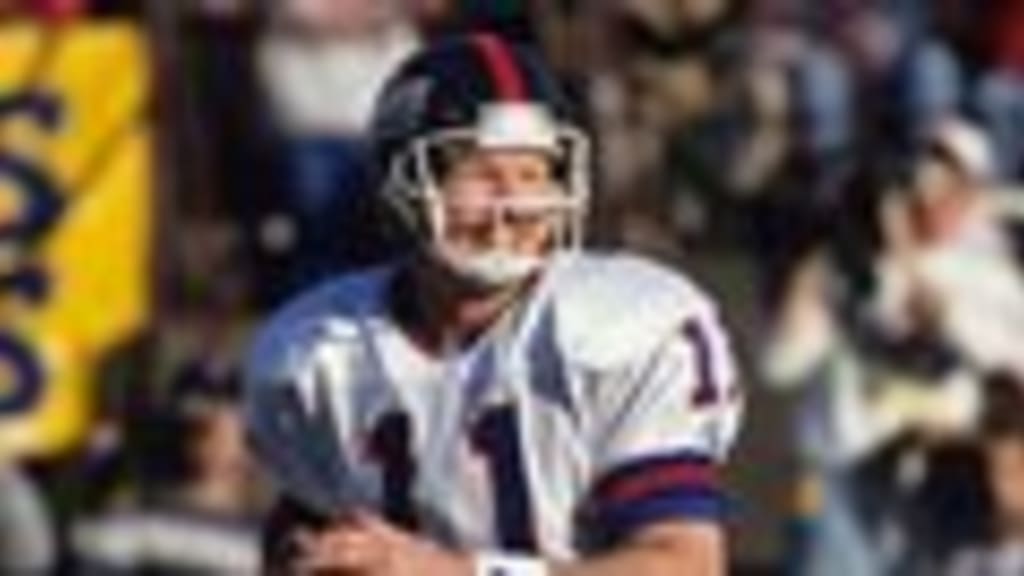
x,y
442,314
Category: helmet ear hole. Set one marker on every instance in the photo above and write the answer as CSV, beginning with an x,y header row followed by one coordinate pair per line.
x,y
403,192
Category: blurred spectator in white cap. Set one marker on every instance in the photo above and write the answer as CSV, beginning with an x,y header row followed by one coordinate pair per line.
x,y
966,146
949,301
949,267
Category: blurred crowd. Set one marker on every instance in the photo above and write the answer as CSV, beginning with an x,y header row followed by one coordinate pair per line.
x,y
861,156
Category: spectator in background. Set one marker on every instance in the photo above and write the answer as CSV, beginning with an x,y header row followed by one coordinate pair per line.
x,y
201,522
322,65
810,354
1000,90
877,432
949,269
821,81
851,412
794,130
905,81
949,306
660,102
27,537
193,505
1002,445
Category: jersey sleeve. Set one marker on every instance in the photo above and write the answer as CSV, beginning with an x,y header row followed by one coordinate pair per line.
x,y
663,424
297,417
290,423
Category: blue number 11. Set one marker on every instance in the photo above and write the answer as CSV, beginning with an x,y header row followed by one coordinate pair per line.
x,y
495,437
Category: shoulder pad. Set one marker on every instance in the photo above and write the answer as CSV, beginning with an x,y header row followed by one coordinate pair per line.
x,y
612,309
286,401
328,313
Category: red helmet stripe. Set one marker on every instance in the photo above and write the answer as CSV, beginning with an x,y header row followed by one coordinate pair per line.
x,y
505,73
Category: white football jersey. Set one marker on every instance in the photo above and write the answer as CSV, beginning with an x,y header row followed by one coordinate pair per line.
x,y
604,401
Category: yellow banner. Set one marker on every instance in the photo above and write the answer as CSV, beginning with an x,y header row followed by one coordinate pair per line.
x,y
75,221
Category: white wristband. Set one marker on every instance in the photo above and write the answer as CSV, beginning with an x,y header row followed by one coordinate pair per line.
x,y
492,564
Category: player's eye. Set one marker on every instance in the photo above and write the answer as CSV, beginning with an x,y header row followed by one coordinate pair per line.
x,y
533,173
450,156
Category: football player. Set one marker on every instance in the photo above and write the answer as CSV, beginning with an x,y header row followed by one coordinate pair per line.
x,y
497,402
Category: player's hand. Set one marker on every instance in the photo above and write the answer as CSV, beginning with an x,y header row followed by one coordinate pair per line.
x,y
367,545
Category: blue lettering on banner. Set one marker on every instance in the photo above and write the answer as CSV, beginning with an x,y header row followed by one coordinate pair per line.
x,y
38,209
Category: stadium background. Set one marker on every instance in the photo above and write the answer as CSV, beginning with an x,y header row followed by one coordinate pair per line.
x,y
165,169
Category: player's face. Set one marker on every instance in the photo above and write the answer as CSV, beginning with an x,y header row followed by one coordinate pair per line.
x,y
942,197
501,200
